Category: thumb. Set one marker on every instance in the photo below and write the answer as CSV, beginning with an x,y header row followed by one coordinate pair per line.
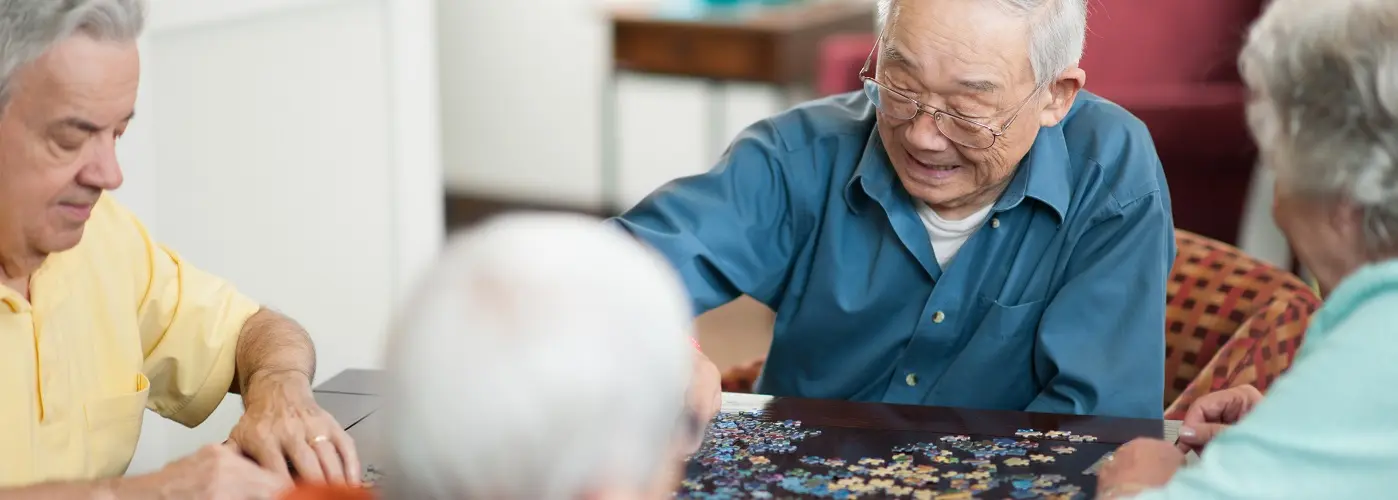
x,y
1199,434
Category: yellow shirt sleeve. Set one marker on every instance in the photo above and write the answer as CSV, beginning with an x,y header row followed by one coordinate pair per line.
x,y
189,326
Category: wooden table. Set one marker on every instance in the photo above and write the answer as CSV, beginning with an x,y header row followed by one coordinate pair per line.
x,y
848,430
768,44
777,45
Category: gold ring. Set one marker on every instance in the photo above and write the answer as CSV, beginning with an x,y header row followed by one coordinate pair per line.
x,y
320,439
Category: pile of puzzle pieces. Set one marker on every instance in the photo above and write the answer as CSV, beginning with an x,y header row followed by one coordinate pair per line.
x,y
736,464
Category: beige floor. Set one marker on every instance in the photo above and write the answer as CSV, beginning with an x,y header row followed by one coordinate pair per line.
x,y
736,333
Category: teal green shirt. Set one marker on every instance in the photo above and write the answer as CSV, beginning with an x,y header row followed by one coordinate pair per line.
x,y
1055,304
1329,427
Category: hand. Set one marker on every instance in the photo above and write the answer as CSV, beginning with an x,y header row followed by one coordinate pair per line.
x,y
214,472
705,395
1138,465
1213,413
282,422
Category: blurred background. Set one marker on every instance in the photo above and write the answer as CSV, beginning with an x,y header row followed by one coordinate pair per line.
x,y
316,152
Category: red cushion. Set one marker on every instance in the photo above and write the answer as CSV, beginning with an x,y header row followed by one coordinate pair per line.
x,y
1201,135
841,56
1166,40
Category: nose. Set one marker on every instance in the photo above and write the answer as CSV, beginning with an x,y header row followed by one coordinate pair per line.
x,y
922,134
101,169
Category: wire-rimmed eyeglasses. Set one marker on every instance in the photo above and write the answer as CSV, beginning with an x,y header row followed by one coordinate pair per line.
x,y
899,106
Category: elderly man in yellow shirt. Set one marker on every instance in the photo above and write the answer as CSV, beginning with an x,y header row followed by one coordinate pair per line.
x,y
99,322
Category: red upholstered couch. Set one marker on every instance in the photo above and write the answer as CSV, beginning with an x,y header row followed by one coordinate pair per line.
x,y
1172,64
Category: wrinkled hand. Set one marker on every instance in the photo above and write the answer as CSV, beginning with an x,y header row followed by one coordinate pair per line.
x,y
282,422
214,472
1138,465
1214,412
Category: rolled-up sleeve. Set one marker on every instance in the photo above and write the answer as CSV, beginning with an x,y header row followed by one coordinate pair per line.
x,y
1101,343
729,231
189,325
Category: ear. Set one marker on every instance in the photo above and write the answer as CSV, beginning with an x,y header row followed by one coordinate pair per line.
x,y
1347,220
1062,92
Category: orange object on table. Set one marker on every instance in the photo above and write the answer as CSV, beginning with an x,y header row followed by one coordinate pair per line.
x,y
320,492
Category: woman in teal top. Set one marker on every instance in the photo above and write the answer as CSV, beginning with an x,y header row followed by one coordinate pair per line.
x,y
1323,77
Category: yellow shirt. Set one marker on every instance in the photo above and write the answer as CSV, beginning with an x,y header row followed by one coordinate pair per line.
x,y
115,325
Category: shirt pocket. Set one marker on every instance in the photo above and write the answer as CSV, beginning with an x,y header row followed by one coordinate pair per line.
x,y
1010,321
113,428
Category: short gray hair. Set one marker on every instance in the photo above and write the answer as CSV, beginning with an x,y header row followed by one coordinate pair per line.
x,y
29,28
1324,76
1057,32
544,355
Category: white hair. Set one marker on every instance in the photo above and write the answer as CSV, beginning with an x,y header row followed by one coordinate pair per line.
x,y
1324,76
545,355
29,28
1057,32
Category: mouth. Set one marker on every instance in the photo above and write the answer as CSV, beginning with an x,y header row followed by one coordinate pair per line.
x,y
77,211
932,171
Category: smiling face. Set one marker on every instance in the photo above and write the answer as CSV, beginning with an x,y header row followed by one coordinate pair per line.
x,y
57,142
970,59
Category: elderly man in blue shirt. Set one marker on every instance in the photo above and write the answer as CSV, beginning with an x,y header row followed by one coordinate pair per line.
x,y
972,229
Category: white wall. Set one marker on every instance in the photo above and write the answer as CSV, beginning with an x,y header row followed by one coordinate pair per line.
x,y
522,114
290,146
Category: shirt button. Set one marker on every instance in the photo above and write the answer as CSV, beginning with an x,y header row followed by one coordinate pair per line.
x,y
994,222
911,379
937,317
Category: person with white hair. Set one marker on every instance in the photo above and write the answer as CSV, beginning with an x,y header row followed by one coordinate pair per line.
x,y
546,356
1323,78
971,229
99,322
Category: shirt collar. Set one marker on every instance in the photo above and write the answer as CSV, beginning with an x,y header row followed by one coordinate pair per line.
x,y
1365,283
1043,174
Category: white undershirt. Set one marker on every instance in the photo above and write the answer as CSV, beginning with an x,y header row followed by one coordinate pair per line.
x,y
948,235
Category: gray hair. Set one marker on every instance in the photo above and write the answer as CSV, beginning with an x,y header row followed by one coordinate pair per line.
x,y
1057,32
1324,76
29,28
545,354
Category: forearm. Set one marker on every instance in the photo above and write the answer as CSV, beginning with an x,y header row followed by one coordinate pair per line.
x,y
271,345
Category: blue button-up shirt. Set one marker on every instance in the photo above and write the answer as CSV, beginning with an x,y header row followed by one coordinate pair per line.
x,y
1056,304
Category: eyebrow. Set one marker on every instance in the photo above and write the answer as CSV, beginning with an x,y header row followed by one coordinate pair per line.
x,y
982,86
892,54
87,126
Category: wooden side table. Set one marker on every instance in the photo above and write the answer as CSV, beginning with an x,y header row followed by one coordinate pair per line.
x,y
774,45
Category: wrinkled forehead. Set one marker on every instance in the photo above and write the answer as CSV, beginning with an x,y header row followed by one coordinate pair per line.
x,y
977,45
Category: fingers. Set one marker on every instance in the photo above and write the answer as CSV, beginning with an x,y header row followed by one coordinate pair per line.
x,y
1183,447
353,471
1206,409
1226,406
1247,396
329,459
304,459
250,480
1200,434
268,453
